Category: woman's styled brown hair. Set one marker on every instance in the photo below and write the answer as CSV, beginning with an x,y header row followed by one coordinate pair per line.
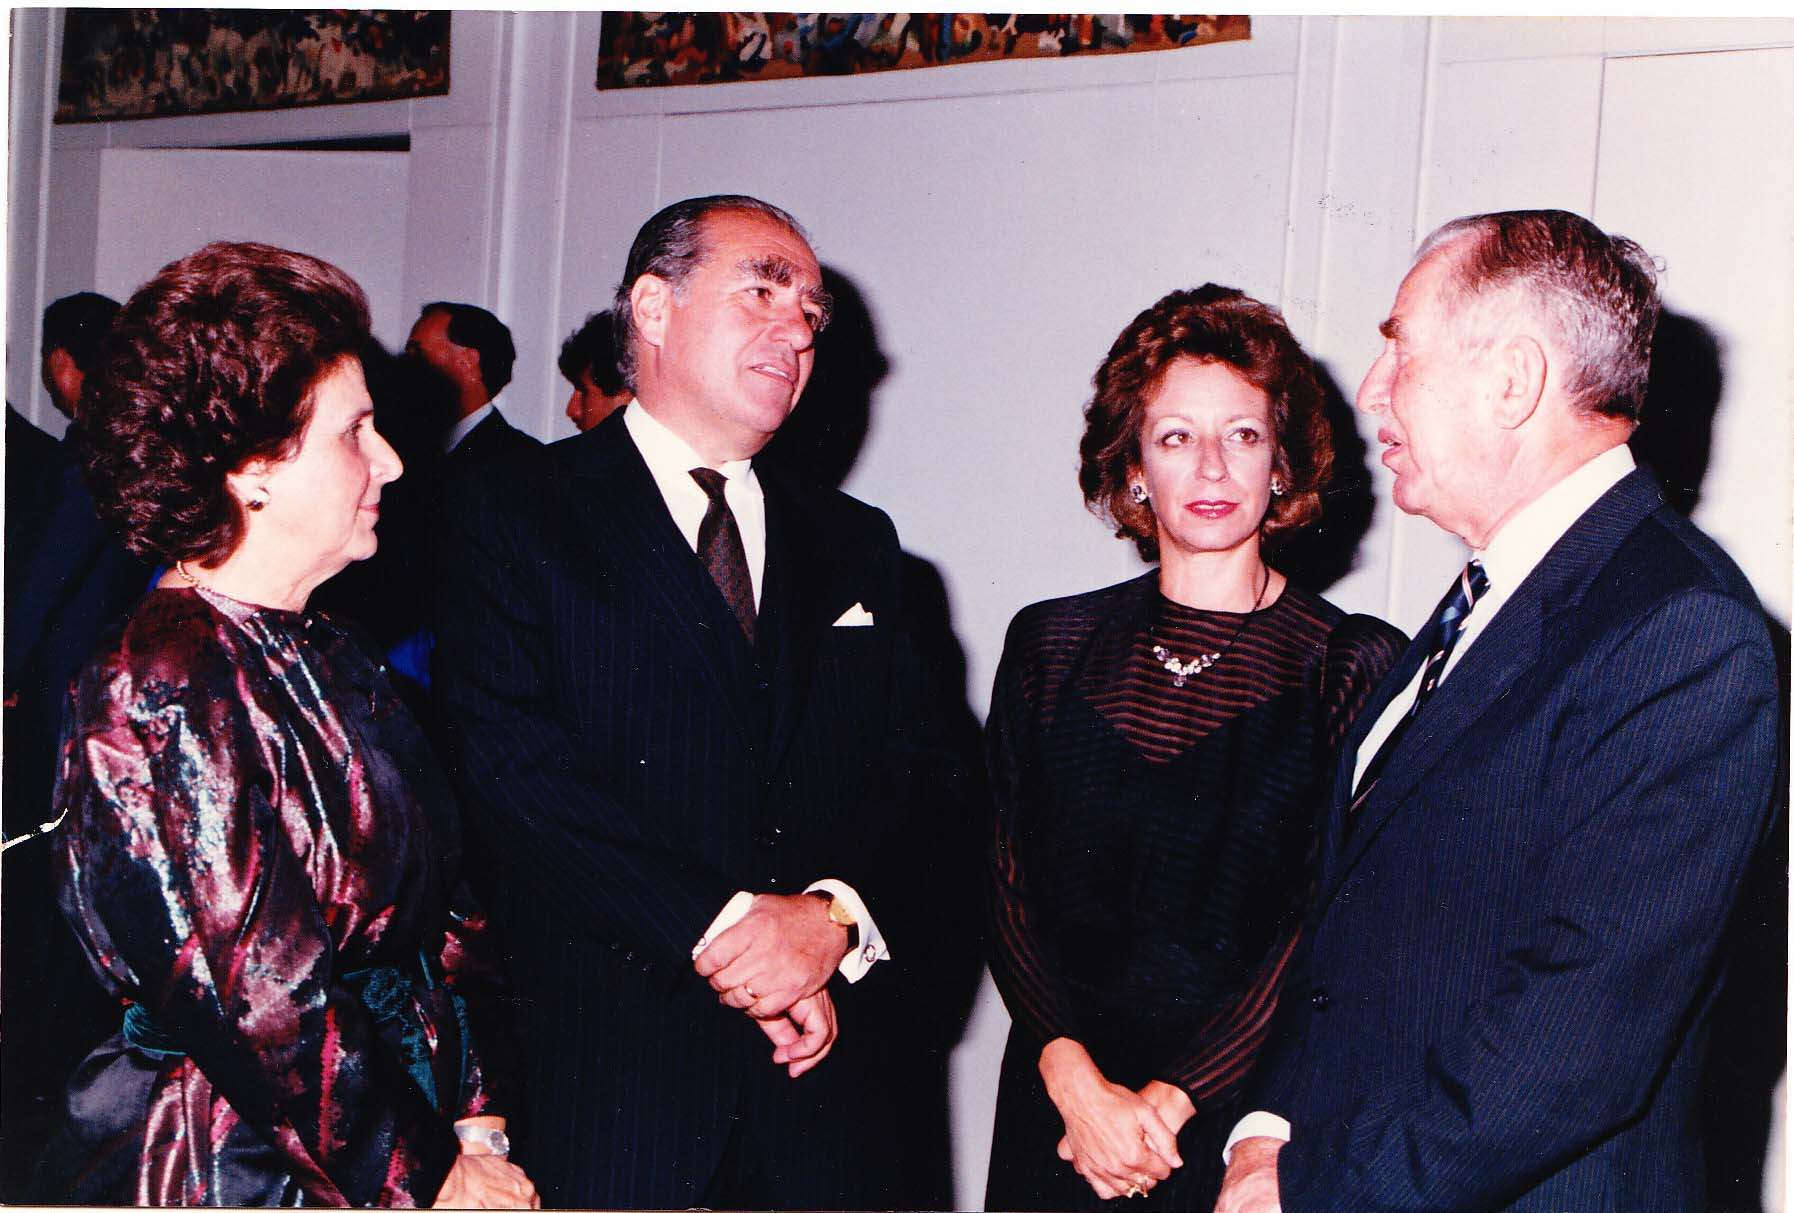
x,y
210,365
1209,324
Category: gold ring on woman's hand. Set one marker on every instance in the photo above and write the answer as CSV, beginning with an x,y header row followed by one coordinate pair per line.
x,y
1136,1190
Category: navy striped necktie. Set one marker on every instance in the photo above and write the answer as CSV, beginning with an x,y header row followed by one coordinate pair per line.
x,y
720,550
1444,628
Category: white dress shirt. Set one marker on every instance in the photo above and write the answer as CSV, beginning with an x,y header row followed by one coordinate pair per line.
x,y
670,461
1512,554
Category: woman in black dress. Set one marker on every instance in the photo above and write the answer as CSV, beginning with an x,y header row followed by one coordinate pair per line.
x,y
1161,752
260,855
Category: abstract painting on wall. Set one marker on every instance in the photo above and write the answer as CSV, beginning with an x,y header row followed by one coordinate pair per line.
x,y
638,49
156,62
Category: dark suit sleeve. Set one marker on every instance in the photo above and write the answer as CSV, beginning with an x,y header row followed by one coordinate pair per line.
x,y
555,825
1660,766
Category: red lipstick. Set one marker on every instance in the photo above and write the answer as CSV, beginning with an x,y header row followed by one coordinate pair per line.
x,y
1212,509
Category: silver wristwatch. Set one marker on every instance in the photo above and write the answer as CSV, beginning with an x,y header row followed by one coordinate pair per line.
x,y
479,1135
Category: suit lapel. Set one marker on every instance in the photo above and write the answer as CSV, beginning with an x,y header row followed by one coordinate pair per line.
x,y
1501,654
618,510
1512,646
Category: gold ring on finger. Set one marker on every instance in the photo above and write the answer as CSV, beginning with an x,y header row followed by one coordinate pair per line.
x,y
1135,1190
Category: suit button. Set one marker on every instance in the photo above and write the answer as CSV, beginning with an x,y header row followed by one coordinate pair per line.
x,y
1319,999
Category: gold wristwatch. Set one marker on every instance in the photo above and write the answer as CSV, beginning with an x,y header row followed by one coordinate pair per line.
x,y
840,915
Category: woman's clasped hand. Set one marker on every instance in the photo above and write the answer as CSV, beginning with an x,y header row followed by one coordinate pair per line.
x,y
1120,1141
487,1181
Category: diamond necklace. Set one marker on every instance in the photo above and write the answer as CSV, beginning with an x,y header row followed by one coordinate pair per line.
x,y
1182,671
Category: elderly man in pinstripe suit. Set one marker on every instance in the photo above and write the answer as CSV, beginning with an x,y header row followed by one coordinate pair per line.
x,y
692,723
1543,817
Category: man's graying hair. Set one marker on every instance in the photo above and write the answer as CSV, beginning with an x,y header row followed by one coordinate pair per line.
x,y
1597,292
670,246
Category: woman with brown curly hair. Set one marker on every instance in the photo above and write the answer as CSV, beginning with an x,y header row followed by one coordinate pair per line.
x,y
259,854
1160,752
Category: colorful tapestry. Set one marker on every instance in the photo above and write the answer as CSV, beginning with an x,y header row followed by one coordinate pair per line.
x,y
702,48
154,62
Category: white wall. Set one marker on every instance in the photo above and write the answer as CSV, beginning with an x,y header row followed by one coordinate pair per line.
x,y
295,200
1003,222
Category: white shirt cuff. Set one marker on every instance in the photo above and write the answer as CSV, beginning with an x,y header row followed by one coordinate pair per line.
x,y
734,910
1254,1124
872,949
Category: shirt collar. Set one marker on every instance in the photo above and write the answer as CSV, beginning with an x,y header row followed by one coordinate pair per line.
x,y
669,457
1516,549
464,427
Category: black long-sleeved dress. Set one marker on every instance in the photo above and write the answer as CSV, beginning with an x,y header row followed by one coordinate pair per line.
x,y
260,860
1151,850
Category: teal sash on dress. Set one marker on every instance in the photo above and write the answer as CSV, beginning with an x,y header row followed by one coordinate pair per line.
x,y
383,989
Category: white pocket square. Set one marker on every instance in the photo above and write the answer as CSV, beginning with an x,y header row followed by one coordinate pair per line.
x,y
855,616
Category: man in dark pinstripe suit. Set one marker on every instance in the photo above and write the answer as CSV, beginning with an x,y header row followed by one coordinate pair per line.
x,y
692,725
1542,819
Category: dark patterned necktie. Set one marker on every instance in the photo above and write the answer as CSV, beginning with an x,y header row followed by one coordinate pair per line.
x,y
1446,625
719,547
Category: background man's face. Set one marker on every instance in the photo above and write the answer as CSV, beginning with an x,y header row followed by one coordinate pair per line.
x,y
63,381
588,405
429,343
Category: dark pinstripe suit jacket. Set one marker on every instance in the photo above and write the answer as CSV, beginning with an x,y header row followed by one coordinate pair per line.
x,y
1506,974
634,762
